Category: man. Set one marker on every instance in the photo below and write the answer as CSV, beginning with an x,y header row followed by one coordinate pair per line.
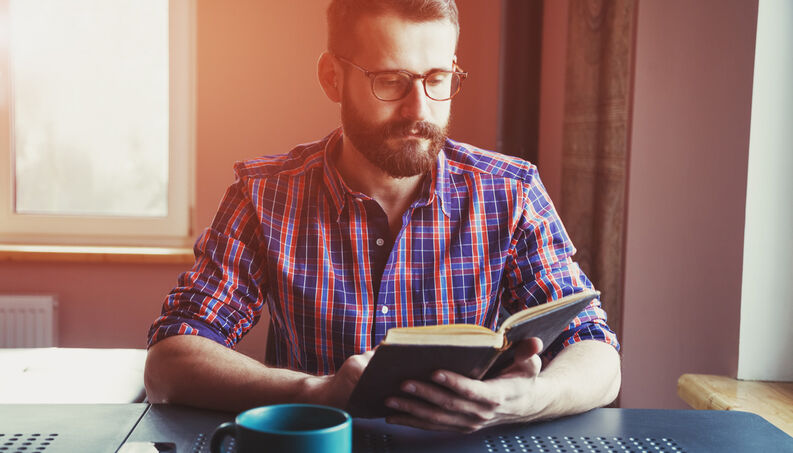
x,y
383,223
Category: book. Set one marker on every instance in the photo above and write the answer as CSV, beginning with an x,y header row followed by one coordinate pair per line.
x,y
474,351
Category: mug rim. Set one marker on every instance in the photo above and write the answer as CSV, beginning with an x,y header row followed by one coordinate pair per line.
x,y
263,409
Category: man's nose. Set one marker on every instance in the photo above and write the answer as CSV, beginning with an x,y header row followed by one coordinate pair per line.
x,y
416,105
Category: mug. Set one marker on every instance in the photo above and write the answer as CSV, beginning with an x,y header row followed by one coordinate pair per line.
x,y
298,428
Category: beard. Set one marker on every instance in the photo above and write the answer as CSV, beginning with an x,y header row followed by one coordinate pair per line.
x,y
398,148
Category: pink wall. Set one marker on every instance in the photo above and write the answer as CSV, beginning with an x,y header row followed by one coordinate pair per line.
x,y
257,94
475,111
257,88
689,154
100,305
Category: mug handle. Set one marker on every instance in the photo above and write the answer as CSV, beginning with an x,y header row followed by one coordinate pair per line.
x,y
220,434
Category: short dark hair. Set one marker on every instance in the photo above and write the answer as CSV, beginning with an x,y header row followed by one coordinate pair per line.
x,y
344,14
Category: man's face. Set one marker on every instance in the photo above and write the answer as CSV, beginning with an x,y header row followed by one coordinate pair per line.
x,y
403,137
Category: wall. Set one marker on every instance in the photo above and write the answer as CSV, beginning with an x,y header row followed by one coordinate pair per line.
x,y
766,309
692,101
100,305
257,94
475,109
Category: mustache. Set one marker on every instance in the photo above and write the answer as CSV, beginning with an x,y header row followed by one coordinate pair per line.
x,y
423,129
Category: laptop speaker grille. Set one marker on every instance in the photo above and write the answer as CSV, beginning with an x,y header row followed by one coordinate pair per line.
x,y
568,444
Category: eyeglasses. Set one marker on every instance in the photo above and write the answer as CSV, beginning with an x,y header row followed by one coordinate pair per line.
x,y
439,85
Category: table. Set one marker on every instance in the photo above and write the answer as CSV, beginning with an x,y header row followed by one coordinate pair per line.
x,y
103,428
771,400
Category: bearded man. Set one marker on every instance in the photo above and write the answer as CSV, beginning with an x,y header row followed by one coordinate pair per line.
x,y
384,223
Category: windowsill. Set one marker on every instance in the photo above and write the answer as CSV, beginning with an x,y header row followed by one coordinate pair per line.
x,y
771,400
96,254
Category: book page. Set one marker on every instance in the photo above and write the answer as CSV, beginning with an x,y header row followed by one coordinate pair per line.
x,y
451,334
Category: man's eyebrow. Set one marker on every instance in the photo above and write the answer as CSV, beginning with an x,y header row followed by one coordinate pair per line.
x,y
440,69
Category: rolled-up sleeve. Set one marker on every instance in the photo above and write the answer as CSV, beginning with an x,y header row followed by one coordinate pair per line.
x,y
540,268
222,296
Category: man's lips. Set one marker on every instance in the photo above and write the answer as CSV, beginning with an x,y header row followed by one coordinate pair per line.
x,y
408,138
413,134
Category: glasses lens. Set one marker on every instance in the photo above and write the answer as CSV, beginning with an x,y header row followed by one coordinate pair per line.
x,y
390,86
439,85
442,85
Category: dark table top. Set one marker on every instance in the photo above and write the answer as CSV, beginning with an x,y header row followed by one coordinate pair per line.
x,y
104,428
600,430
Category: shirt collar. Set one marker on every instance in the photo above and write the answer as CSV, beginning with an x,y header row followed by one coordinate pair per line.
x,y
337,188
436,187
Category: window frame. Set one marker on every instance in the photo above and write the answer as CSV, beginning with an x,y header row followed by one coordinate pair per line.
x,y
174,229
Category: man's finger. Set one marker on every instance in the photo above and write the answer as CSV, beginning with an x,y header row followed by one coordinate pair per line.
x,y
470,389
526,363
527,348
414,422
430,415
448,400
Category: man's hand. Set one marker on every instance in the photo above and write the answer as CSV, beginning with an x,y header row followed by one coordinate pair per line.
x,y
335,389
458,403
583,376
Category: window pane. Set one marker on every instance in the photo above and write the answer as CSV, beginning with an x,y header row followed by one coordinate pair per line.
x,y
90,119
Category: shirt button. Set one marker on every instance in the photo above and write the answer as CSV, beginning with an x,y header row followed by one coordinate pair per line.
x,y
384,310
379,242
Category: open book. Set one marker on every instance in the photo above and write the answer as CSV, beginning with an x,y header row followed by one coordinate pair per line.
x,y
471,350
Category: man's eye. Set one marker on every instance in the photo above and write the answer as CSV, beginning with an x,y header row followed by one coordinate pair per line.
x,y
390,81
439,78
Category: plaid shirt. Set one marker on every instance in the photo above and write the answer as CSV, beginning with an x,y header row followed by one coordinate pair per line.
x,y
483,236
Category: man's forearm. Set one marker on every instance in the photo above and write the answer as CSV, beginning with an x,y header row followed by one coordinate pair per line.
x,y
196,371
581,377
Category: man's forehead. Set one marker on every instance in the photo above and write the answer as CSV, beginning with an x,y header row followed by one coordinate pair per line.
x,y
390,39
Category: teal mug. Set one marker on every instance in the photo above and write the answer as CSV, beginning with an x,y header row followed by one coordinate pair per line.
x,y
298,428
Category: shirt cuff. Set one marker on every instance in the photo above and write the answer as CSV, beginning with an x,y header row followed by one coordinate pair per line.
x,y
595,330
164,328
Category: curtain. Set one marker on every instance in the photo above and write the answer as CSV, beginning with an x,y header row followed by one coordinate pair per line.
x,y
519,90
595,141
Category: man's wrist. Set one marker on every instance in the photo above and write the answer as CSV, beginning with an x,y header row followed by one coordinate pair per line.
x,y
545,396
314,390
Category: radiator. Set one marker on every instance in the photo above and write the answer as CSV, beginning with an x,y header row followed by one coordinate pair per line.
x,y
28,321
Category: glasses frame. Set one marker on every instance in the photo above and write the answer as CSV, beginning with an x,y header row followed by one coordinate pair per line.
x,y
423,77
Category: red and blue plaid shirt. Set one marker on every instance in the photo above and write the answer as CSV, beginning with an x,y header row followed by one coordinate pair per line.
x,y
482,237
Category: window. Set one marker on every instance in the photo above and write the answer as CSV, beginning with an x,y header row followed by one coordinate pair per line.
x,y
96,121
766,344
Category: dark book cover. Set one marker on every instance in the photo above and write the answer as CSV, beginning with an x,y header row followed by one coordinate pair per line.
x,y
392,364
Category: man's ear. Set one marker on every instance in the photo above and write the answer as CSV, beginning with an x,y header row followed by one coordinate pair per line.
x,y
330,77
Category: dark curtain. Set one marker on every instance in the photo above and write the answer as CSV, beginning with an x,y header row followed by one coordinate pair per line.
x,y
595,141
519,90
595,130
